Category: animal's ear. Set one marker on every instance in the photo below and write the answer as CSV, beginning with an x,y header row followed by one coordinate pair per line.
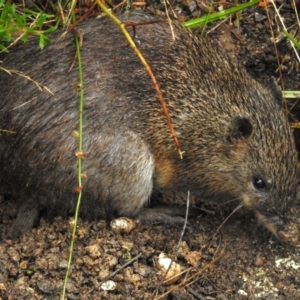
x,y
240,128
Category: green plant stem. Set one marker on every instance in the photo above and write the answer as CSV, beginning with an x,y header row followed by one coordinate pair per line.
x,y
80,161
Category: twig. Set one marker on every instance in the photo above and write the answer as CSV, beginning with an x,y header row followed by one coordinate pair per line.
x,y
125,265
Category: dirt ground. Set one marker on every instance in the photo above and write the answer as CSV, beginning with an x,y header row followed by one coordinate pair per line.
x,y
237,260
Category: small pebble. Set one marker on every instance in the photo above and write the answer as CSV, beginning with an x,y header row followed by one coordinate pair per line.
x,y
258,261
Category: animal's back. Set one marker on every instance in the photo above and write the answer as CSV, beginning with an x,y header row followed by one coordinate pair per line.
x,y
38,152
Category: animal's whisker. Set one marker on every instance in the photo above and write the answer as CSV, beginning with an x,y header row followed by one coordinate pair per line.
x,y
229,201
234,211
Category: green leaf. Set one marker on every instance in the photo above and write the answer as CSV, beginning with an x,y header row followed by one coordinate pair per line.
x,y
291,94
292,39
218,15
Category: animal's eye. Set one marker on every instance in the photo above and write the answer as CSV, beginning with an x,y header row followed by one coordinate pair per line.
x,y
259,183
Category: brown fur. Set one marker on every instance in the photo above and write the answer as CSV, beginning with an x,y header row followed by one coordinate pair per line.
x,y
230,127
